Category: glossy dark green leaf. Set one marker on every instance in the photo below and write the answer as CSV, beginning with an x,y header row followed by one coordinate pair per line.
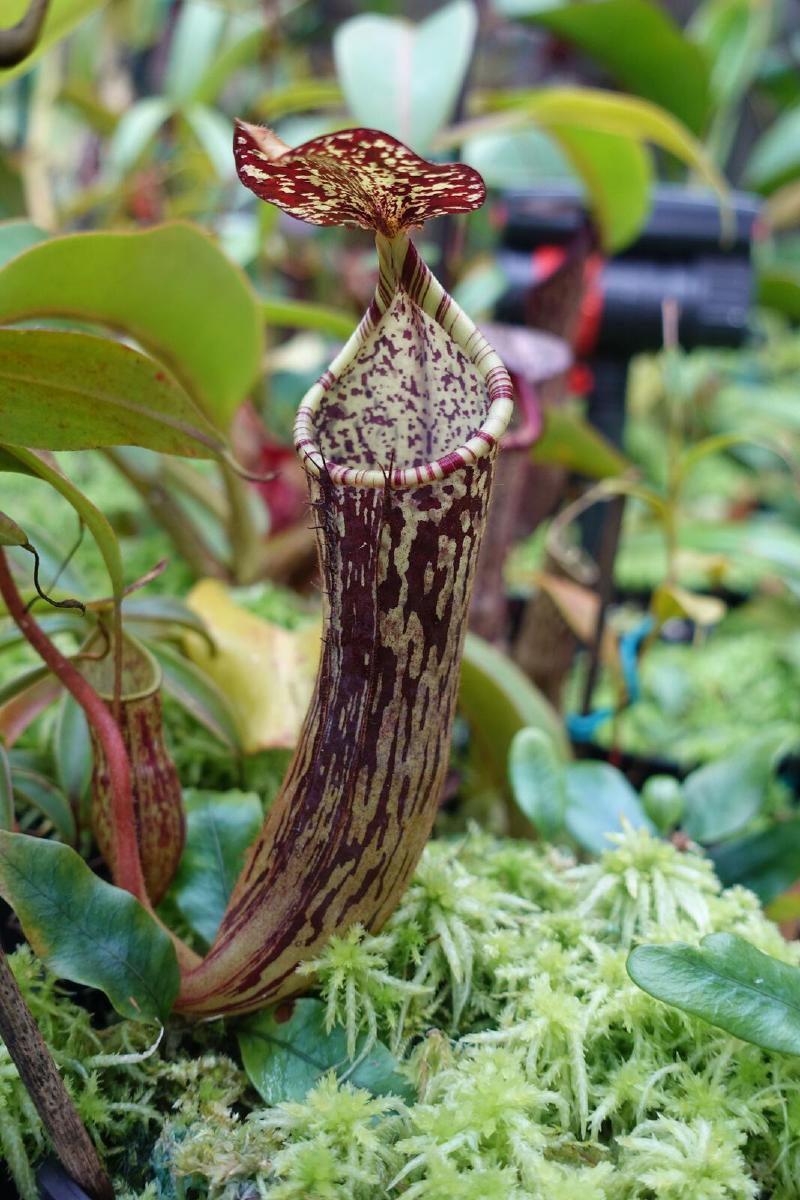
x,y
637,42
219,828
85,929
198,694
285,1059
723,796
600,801
74,391
170,288
538,781
727,982
768,863
40,792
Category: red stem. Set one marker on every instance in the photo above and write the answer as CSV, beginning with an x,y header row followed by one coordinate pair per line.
x,y
127,866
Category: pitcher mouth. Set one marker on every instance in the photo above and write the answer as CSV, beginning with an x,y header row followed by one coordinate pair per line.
x,y
402,269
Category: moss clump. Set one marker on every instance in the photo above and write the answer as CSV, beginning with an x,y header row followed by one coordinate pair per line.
x,y
102,1068
540,1069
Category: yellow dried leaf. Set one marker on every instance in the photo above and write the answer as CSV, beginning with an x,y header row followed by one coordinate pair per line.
x,y
267,672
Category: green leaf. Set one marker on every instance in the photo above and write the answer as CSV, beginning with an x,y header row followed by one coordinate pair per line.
x,y
85,929
518,159
135,131
498,699
767,863
285,1059
592,110
780,290
723,796
72,750
193,47
727,982
538,781
618,175
302,314
6,791
48,799
16,236
198,694
776,155
219,828
62,17
213,132
637,42
568,440
599,801
404,78
182,300
663,801
11,534
160,617
16,458
73,391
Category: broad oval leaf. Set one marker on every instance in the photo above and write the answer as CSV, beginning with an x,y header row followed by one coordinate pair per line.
x,y
74,391
285,1059
723,796
637,42
182,300
538,780
87,930
406,78
727,982
600,801
219,828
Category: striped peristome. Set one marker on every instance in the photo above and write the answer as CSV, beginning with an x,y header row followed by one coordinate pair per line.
x,y
398,440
